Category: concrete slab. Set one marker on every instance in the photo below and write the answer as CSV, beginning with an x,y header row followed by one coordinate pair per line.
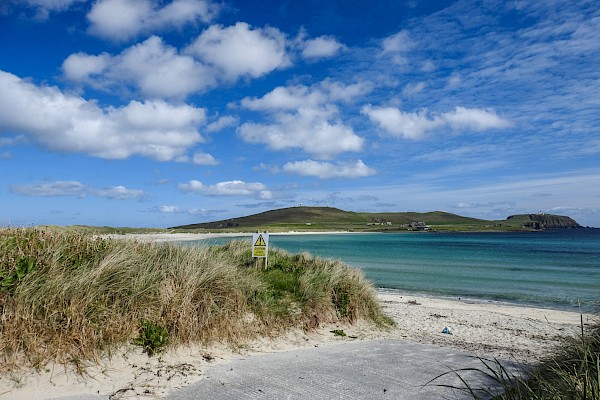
x,y
375,369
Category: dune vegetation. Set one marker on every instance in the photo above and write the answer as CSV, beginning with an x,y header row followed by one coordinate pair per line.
x,y
571,371
71,297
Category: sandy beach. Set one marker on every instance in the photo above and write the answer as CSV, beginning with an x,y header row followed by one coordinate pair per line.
x,y
187,237
485,329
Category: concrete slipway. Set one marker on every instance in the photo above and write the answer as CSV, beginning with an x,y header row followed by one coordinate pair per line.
x,y
373,369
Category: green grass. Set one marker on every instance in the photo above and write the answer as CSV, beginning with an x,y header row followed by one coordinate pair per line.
x,y
67,296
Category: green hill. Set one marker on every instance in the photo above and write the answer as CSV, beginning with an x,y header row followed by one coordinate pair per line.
x,y
328,218
333,219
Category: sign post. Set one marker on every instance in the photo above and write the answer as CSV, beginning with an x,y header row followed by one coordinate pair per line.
x,y
260,246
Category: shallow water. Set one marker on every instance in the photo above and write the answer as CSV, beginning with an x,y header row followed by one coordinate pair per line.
x,y
557,269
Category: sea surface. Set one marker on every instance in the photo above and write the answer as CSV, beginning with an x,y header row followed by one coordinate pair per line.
x,y
554,269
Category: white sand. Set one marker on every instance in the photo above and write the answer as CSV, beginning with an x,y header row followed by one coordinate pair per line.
x,y
486,329
184,237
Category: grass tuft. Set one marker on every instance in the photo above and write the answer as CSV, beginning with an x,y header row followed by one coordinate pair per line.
x,y
70,297
571,372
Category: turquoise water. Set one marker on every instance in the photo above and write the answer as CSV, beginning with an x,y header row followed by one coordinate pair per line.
x,y
557,269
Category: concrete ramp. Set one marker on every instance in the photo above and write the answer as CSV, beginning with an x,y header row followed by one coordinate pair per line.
x,y
375,369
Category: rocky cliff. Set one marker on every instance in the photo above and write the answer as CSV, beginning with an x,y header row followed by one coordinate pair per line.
x,y
546,221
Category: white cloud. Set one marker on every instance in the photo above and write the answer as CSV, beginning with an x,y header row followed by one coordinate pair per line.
x,y
78,189
45,7
158,70
68,123
396,46
336,91
321,47
317,132
291,98
398,42
398,123
180,210
417,125
428,66
454,81
240,51
126,19
306,118
228,188
119,193
327,170
168,209
197,211
474,119
286,98
412,89
204,159
51,189
80,66
198,158
152,67
221,123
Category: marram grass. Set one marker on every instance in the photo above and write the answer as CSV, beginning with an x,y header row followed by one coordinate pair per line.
x,y
69,297
571,372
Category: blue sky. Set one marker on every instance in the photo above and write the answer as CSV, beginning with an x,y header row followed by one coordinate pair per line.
x,y
158,113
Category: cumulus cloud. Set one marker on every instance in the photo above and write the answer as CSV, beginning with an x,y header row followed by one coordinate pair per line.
x,y
288,98
317,132
227,188
77,189
241,51
306,118
152,67
63,122
168,209
321,47
81,66
327,170
417,125
125,19
204,159
221,123
157,70
474,119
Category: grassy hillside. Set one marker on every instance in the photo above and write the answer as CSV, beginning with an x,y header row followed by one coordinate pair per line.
x,y
328,218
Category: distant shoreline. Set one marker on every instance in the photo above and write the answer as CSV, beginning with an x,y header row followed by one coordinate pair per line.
x,y
183,237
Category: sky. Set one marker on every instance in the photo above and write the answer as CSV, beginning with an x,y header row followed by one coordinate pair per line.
x,y
157,113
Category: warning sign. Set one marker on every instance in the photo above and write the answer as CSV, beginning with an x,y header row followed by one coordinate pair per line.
x,y
260,245
260,241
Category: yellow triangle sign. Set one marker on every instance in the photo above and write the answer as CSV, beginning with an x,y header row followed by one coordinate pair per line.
x,y
260,241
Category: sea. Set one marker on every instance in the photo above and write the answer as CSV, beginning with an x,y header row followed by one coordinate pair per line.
x,y
557,269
